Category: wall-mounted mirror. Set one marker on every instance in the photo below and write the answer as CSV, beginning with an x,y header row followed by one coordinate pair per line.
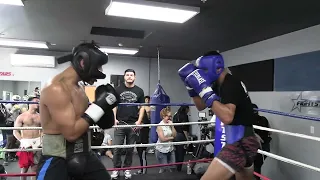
x,y
11,90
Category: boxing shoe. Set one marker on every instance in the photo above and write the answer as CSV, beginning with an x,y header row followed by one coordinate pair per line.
x,y
115,175
127,174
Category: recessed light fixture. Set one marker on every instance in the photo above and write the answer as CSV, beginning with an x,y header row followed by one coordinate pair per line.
x,y
12,2
118,50
23,43
151,10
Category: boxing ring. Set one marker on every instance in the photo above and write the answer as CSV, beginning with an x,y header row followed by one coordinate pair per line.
x,y
183,175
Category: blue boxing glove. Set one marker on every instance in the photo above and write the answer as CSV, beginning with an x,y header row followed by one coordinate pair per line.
x,y
183,73
200,82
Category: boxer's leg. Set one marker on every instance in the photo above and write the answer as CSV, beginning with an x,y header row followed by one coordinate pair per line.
x,y
52,168
130,139
250,146
36,159
180,150
258,161
171,158
119,135
94,169
217,170
230,160
109,154
24,170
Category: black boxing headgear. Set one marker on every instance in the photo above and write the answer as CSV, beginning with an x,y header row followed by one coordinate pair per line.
x,y
92,58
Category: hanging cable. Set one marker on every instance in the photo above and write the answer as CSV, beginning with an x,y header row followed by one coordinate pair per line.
x,y
158,64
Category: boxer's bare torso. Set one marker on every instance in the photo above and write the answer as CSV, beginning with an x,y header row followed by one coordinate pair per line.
x,y
64,87
148,109
28,119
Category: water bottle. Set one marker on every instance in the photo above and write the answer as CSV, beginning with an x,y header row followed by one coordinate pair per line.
x,y
189,171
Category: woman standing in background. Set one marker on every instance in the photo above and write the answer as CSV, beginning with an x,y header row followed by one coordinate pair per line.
x,y
182,133
165,153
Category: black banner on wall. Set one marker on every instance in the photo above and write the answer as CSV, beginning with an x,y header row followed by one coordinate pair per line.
x,y
257,76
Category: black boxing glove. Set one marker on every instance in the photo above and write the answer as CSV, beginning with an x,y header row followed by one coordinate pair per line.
x,y
107,120
106,99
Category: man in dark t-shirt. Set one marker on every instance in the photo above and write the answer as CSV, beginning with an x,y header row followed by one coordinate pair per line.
x,y
129,93
211,86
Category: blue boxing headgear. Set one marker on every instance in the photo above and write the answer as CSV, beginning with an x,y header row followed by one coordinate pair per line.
x,y
211,62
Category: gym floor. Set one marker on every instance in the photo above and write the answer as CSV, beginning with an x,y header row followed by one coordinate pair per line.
x,y
13,168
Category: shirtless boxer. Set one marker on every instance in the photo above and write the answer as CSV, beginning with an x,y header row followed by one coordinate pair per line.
x,y
28,138
211,86
147,108
66,116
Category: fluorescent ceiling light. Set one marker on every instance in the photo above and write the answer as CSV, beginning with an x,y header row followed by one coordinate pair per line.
x,y
23,43
151,10
24,60
117,50
12,2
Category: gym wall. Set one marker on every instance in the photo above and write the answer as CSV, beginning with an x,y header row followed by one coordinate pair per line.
x,y
298,42
146,71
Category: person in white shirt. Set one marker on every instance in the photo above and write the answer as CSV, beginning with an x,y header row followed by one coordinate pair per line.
x,y
107,141
165,153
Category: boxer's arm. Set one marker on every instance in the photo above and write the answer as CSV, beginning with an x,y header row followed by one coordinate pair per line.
x,y
141,114
161,135
62,113
18,123
225,112
141,111
199,103
231,95
115,115
174,132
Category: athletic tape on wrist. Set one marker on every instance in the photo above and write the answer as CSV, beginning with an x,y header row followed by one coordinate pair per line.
x,y
205,91
94,112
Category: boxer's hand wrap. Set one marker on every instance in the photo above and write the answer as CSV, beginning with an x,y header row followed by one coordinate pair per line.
x,y
106,100
183,73
198,80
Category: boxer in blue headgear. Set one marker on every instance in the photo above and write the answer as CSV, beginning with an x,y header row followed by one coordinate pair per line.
x,y
212,86
212,63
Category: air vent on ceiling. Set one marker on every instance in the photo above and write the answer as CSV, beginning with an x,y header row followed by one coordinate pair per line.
x,y
116,32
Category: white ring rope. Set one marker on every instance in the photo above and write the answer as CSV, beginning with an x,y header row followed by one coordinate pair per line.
x,y
288,133
117,126
123,146
290,161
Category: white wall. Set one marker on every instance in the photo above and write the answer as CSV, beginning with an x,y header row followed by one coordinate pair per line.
x,y
146,71
305,151
303,41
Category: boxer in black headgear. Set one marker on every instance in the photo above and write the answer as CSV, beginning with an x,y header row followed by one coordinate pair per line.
x,y
87,59
66,117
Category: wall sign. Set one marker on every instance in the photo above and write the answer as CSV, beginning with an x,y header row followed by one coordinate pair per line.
x,y
300,102
4,73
